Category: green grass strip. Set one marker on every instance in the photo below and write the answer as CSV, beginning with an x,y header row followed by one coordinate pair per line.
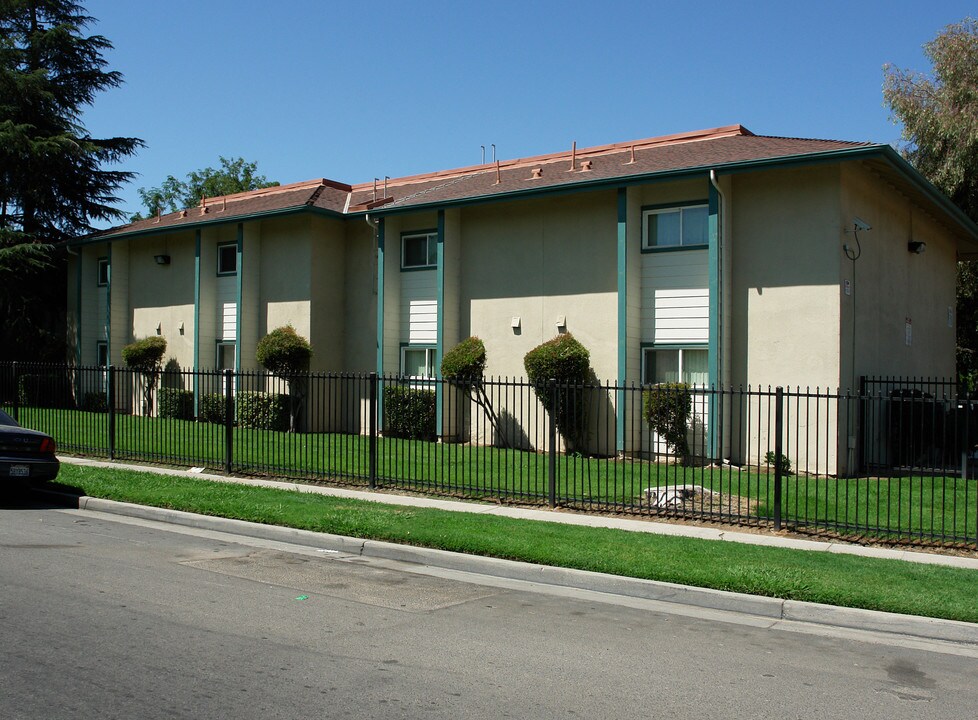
x,y
845,580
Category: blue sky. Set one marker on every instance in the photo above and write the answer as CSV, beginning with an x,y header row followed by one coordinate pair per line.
x,y
357,90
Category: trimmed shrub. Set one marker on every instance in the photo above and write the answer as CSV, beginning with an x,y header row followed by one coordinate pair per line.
x,y
667,408
284,352
50,390
465,362
146,355
175,403
568,362
95,402
263,411
409,413
211,408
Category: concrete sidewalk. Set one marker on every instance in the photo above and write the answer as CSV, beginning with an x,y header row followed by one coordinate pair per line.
x,y
961,634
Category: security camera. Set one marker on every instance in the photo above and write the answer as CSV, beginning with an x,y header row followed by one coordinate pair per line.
x,y
860,225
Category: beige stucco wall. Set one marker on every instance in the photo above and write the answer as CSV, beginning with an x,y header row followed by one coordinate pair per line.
x,y
784,288
286,275
537,260
360,307
328,292
161,295
892,285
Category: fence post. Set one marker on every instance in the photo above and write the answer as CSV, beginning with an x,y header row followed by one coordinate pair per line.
x,y
111,402
373,430
16,392
228,420
778,453
552,431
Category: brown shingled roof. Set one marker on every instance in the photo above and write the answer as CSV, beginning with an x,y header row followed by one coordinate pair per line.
x,y
701,149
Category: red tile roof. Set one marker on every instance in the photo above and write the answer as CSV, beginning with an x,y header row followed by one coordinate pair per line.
x,y
672,153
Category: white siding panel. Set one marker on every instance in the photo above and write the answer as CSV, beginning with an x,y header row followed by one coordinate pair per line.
x,y
675,297
423,322
229,321
419,307
226,291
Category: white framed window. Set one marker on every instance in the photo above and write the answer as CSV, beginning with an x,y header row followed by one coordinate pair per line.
x,y
418,361
672,365
225,355
674,227
103,272
419,250
227,259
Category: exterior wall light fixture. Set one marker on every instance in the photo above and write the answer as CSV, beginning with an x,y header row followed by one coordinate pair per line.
x,y
916,246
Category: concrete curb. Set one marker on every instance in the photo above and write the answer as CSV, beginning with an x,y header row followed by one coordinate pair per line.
x,y
771,608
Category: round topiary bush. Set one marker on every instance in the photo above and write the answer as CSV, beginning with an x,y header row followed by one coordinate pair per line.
x,y
284,352
566,361
146,357
465,362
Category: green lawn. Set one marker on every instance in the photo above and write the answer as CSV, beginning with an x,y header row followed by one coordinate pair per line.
x,y
912,507
846,580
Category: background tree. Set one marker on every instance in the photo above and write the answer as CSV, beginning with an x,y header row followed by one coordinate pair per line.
x,y
939,114
52,185
234,176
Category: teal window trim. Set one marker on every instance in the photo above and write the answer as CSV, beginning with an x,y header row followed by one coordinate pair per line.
x,y
103,262
648,210
220,247
428,234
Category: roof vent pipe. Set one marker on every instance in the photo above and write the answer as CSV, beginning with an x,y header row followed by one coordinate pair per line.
x,y
573,166
494,152
498,179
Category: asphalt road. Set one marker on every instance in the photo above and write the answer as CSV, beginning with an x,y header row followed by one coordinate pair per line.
x,y
108,617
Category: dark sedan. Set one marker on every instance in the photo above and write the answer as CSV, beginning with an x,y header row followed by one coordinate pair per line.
x,y
26,456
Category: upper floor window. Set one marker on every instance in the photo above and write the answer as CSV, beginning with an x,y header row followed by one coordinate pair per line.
x,y
686,226
103,271
227,259
419,250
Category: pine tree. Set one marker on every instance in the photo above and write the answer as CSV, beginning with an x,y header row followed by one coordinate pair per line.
x,y
52,182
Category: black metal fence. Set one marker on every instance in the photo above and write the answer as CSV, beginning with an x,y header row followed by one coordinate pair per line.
x,y
894,461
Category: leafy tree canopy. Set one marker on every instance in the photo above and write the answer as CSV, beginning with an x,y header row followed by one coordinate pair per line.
x,y
939,115
52,182
234,176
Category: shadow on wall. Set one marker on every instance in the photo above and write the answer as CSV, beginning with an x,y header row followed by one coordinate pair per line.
x,y
510,432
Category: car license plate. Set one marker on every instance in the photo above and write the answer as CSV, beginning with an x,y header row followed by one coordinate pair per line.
x,y
20,471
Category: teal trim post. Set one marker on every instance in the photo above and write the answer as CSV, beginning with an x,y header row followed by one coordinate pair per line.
x,y
196,321
108,312
380,317
622,317
237,301
714,336
440,322
78,309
